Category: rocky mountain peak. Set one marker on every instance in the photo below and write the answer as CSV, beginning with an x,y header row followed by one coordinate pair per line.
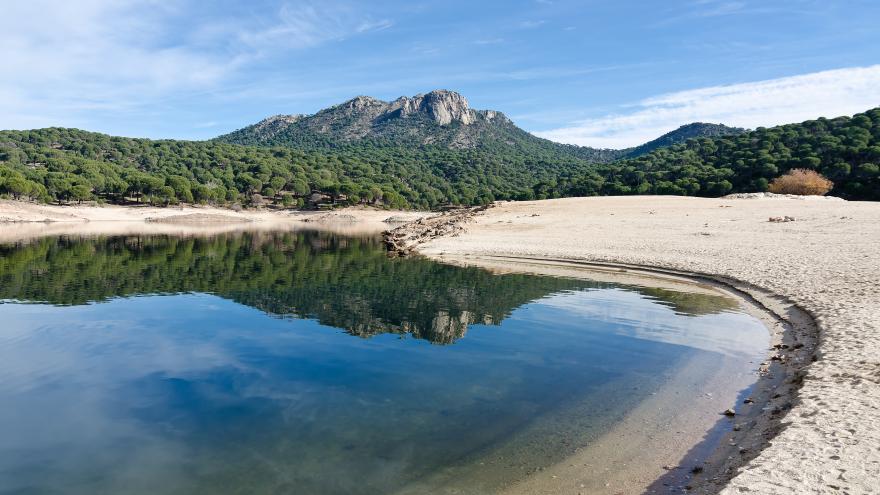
x,y
445,106
442,106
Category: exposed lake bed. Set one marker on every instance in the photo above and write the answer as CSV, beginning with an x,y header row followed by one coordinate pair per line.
x,y
508,374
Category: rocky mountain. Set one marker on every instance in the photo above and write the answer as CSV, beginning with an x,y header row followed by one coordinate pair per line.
x,y
439,118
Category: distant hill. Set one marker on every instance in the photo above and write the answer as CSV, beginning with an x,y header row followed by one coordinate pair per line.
x,y
682,134
844,149
439,118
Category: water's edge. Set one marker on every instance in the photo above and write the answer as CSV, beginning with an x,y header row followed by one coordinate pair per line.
x,y
714,455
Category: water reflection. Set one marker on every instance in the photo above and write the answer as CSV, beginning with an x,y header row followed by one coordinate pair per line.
x,y
234,370
344,282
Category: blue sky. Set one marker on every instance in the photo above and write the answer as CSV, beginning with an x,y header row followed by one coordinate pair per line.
x,y
601,73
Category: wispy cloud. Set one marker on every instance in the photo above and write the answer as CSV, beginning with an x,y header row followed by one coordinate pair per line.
x,y
763,103
62,61
531,24
370,25
304,24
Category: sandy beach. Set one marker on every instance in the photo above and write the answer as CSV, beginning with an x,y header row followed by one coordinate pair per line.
x,y
21,220
825,262
816,280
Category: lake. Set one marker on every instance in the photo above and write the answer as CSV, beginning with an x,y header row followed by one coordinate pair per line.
x,y
308,362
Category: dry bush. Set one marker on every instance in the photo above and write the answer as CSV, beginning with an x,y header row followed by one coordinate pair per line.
x,y
802,182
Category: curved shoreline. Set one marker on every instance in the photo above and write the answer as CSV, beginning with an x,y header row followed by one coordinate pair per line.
x,y
827,437
722,449
666,401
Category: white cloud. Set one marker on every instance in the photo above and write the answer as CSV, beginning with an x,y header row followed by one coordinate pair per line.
x,y
629,313
63,62
763,103
68,53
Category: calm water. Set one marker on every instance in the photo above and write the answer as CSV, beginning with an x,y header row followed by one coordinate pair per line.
x,y
311,363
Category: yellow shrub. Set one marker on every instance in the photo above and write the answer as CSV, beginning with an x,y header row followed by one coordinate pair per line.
x,y
802,182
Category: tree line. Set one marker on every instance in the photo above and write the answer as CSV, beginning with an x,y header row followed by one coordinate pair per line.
x,y
68,165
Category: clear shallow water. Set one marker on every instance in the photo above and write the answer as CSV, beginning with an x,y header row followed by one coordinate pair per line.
x,y
312,363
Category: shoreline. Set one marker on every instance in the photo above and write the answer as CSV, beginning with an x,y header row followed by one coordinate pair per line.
x,y
822,268
660,461
21,221
653,446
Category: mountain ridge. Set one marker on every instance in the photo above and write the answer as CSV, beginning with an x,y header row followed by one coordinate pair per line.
x,y
439,118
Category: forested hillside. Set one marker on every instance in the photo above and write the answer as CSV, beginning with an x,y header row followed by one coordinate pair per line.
x,y
72,165
683,134
62,165
844,149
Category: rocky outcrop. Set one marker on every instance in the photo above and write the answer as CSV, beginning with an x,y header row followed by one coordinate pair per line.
x,y
271,126
445,107
441,106
362,103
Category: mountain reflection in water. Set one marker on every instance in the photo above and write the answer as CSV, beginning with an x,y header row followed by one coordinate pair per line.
x,y
344,282
202,365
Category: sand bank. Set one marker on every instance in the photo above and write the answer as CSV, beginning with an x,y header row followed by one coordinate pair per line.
x,y
21,220
822,438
